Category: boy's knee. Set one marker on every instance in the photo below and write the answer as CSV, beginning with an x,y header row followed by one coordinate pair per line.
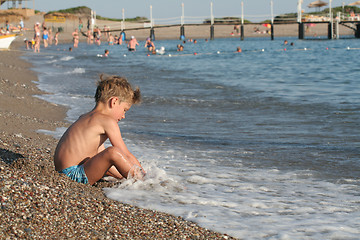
x,y
114,152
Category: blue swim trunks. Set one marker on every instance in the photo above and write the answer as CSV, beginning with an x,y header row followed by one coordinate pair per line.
x,y
76,173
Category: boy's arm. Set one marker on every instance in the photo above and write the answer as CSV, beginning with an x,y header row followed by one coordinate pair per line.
x,y
112,130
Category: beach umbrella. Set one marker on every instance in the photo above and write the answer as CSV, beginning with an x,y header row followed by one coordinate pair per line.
x,y
354,3
317,4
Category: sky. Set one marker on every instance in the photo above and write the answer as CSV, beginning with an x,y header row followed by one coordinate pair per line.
x,y
162,9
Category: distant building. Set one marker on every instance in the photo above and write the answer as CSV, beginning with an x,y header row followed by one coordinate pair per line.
x,y
18,6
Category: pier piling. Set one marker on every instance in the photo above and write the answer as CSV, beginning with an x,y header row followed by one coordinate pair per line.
x,y
357,32
330,31
182,32
301,31
242,32
242,22
152,34
212,32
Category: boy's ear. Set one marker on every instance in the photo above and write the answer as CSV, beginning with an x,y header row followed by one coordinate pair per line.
x,y
113,101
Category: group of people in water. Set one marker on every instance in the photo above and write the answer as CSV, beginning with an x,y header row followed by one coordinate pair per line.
x,y
132,43
97,35
41,33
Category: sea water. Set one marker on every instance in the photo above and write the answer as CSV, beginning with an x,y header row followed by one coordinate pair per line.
x,y
259,144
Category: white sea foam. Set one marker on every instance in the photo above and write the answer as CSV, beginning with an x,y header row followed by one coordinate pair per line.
x,y
199,180
76,71
53,61
66,58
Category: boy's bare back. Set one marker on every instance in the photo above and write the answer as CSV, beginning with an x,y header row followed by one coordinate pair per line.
x,y
82,140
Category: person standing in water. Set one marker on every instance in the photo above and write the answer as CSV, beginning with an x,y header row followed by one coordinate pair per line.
x,y
149,45
132,44
75,35
45,37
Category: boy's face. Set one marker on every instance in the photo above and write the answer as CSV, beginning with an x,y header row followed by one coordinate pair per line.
x,y
120,108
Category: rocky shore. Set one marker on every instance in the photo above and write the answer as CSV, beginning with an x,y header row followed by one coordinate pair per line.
x,y
36,202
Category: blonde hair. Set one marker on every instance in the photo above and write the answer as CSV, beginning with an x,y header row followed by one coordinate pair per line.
x,y
116,86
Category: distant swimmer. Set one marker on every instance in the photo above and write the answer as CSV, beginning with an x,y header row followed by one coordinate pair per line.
x,y
116,40
97,36
75,35
180,48
120,40
28,44
90,37
36,30
111,39
106,54
132,44
149,45
45,37
37,44
239,50
50,36
56,38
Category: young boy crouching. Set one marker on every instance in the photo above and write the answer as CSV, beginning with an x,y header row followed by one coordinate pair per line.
x,y
80,153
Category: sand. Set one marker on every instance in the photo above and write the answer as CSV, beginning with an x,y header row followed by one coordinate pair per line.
x,y
36,202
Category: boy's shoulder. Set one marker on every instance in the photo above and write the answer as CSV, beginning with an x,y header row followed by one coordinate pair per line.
x,y
97,117
102,119
96,121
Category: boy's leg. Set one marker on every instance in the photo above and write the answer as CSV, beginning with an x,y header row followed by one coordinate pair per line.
x,y
113,172
96,167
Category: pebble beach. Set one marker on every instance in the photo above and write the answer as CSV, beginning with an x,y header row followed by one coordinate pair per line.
x,y
39,203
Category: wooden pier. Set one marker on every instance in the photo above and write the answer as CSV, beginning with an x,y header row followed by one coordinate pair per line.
x,y
332,28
